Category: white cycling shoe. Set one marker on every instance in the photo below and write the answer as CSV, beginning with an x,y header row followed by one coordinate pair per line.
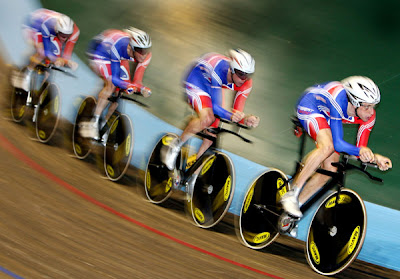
x,y
169,153
89,129
290,204
22,80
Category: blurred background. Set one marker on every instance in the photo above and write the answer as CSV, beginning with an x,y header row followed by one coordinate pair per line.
x,y
295,44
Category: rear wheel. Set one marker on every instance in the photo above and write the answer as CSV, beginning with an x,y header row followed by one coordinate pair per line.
x,y
80,145
48,113
213,190
158,182
257,223
336,233
119,147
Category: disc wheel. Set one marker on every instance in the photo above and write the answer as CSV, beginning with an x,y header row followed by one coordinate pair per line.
x,y
257,223
158,182
213,190
80,145
336,233
18,98
48,113
119,147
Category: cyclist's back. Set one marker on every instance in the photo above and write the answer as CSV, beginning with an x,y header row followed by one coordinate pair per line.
x,y
210,76
43,28
330,101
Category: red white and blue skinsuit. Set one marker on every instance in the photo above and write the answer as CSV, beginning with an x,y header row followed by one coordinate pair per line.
x,y
40,28
324,106
109,56
204,84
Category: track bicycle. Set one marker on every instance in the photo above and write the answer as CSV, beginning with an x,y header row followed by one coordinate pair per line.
x,y
338,227
42,102
116,136
208,182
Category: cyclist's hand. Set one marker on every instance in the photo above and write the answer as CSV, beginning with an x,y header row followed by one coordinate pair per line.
x,y
131,89
251,120
366,155
60,62
72,65
237,116
146,92
384,163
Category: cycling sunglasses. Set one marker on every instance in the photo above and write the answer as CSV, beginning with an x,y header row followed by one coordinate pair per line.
x,y
242,75
142,51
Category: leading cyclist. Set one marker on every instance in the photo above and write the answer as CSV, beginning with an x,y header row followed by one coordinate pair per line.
x,y
109,54
203,86
53,36
321,110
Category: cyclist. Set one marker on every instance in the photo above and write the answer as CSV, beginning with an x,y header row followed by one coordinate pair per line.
x,y
203,86
321,110
53,36
109,54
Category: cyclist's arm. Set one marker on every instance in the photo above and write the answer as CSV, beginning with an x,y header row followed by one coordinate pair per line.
x,y
216,97
69,46
116,80
241,96
45,30
116,68
140,69
339,143
364,130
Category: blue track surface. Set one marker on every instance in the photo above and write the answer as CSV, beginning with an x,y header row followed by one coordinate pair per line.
x,y
382,242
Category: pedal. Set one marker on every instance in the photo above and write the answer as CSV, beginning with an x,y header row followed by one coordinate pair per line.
x,y
286,223
176,178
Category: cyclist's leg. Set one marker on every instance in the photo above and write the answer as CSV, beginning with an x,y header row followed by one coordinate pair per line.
x,y
317,179
103,69
204,120
201,103
317,127
316,157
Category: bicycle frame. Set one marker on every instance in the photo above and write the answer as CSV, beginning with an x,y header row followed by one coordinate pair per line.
x,y
209,152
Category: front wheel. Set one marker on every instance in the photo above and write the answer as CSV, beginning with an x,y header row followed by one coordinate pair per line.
x,y
213,190
119,147
336,233
48,113
257,223
158,182
18,97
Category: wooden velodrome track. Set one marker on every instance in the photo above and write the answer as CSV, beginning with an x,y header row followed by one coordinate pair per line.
x,y
61,219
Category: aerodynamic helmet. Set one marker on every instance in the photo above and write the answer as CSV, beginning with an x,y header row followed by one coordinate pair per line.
x,y
64,25
242,61
361,90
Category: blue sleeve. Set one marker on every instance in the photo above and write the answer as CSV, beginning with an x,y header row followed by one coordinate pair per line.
x,y
337,135
216,96
116,66
45,29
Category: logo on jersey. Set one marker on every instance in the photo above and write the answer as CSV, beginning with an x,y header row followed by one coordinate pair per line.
x,y
124,75
56,46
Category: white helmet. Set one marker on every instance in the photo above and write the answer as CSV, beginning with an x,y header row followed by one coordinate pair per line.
x,y
64,25
361,90
242,61
139,38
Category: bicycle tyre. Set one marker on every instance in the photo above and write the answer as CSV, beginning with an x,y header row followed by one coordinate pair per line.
x,y
80,145
119,147
336,233
18,99
257,223
213,190
48,113
158,182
